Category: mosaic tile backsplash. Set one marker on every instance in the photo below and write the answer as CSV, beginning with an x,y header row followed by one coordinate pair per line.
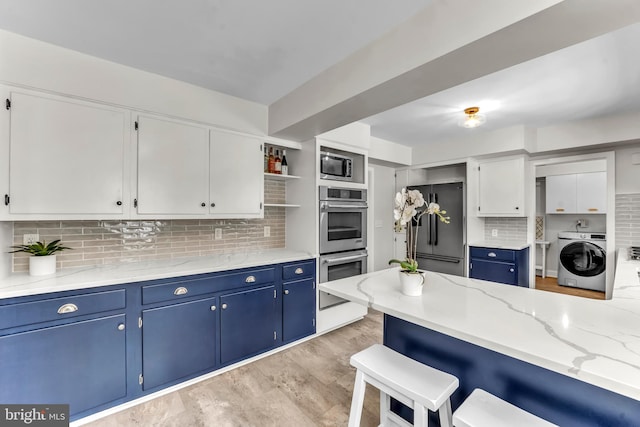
x,y
112,242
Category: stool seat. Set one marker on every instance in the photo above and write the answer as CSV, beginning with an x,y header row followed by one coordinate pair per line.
x,y
483,409
414,384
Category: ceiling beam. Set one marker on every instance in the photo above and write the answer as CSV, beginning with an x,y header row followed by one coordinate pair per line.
x,y
448,43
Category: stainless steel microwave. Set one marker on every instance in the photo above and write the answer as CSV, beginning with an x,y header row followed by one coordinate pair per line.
x,y
335,166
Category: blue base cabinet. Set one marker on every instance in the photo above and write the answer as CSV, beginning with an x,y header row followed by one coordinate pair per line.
x,y
178,341
298,309
247,323
82,364
100,347
507,266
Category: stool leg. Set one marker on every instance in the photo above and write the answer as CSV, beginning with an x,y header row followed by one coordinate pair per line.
x,y
357,401
445,414
420,416
385,405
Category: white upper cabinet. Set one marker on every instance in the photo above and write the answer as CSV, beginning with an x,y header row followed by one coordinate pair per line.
x,y
577,193
502,188
592,192
66,158
173,167
236,175
561,193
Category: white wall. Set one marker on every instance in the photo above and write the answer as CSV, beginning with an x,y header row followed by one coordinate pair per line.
x,y
628,170
34,64
382,216
388,151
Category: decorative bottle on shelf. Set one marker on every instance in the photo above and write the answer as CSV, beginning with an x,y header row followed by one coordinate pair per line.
x,y
285,165
271,163
278,163
266,159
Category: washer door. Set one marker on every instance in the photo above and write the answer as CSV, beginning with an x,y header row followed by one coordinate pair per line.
x,y
583,259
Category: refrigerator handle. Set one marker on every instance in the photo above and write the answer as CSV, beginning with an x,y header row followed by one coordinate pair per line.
x,y
435,222
430,230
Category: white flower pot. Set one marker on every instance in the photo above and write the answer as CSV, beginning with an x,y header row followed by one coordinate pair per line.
x,y
42,265
411,283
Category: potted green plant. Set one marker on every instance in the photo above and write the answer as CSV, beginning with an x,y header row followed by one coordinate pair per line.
x,y
43,261
407,204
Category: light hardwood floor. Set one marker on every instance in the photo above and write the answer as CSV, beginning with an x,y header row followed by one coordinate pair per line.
x,y
306,385
550,284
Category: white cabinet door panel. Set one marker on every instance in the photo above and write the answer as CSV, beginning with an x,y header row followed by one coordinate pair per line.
x,y
237,176
561,194
66,156
173,167
501,191
592,192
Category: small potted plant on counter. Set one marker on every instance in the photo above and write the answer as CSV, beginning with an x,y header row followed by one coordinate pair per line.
x,y
407,215
43,261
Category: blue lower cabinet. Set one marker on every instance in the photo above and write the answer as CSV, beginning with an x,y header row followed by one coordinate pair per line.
x,y
298,309
507,266
178,341
82,364
248,323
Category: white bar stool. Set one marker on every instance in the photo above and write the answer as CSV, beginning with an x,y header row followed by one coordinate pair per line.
x,y
482,409
416,385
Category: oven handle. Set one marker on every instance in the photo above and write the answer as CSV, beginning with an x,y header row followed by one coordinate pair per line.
x,y
326,205
343,259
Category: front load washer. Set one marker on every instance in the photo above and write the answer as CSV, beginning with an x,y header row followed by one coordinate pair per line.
x,y
582,260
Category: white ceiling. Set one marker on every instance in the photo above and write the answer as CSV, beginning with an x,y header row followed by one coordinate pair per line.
x,y
262,50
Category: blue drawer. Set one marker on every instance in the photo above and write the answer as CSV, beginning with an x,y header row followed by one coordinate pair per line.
x,y
298,270
177,289
246,278
492,254
60,308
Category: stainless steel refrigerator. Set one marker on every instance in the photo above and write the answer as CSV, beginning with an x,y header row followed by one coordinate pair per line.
x,y
440,246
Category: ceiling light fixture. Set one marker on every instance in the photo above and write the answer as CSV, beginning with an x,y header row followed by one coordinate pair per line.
x,y
473,119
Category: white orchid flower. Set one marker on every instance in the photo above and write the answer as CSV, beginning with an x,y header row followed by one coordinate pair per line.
x,y
433,208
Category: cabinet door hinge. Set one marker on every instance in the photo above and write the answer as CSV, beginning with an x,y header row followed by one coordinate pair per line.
x,y
274,294
140,379
314,284
470,266
135,126
135,203
313,322
478,207
7,103
275,335
7,199
260,205
261,148
478,167
140,322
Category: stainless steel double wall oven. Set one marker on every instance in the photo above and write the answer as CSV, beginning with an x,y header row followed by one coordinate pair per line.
x,y
343,236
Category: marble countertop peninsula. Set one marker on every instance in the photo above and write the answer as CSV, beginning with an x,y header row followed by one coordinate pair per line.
x,y
594,341
21,284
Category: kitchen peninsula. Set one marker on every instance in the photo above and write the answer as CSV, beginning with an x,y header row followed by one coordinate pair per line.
x,y
570,360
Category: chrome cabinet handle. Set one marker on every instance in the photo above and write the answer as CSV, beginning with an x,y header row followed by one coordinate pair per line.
x,y
492,254
299,271
67,308
250,279
213,308
224,306
121,327
180,291
286,291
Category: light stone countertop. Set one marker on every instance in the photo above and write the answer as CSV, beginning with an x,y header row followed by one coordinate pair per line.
x,y
594,341
501,244
21,284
